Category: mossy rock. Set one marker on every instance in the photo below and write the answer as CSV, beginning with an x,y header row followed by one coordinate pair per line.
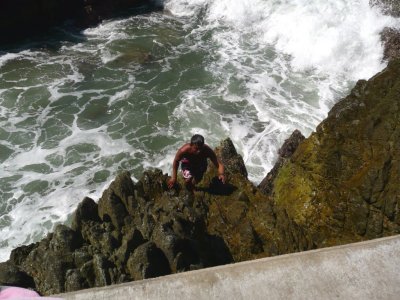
x,y
341,183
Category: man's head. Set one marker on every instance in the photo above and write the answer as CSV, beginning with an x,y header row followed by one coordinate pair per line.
x,y
197,140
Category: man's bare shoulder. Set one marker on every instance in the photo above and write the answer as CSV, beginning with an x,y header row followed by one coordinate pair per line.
x,y
185,148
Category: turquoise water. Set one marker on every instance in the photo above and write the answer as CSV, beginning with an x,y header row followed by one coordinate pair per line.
x,y
76,108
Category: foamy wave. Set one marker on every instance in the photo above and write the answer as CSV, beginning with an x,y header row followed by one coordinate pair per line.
x,y
35,217
7,57
331,36
293,60
64,185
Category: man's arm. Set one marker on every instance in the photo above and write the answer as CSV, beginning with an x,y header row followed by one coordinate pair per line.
x,y
175,165
217,164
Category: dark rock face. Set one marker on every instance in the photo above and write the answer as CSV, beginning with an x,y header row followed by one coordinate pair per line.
x,y
148,261
87,211
21,18
390,36
232,161
389,7
95,11
11,275
391,39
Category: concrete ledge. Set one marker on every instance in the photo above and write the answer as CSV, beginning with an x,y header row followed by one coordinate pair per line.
x,y
366,270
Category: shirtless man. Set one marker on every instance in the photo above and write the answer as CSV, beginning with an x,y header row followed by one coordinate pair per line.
x,y
193,158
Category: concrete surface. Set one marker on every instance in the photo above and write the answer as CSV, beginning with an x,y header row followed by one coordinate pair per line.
x,y
366,270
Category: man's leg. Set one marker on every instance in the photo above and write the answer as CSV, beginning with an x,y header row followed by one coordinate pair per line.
x,y
190,184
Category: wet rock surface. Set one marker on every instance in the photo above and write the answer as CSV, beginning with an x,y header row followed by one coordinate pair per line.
x,y
389,7
391,40
390,37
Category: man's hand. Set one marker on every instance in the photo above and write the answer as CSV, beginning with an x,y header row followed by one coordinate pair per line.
x,y
171,182
222,178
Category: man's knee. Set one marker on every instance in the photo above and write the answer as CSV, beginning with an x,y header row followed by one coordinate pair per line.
x,y
188,180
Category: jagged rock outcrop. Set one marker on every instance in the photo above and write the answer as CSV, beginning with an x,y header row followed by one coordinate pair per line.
x,y
391,40
389,7
390,37
340,185
285,152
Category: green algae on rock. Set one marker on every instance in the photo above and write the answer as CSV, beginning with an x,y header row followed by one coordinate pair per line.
x,y
341,184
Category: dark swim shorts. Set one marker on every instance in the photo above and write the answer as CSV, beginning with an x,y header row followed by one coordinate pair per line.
x,y
190,170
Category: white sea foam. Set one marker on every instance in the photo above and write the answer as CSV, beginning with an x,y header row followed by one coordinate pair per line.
x,y
35,214
7,57
318,50
33,219
121,95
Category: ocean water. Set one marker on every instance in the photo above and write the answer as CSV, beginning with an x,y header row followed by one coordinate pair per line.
x,y
75,109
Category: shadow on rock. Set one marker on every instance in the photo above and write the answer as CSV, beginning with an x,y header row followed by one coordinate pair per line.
x,y
218,251
216,187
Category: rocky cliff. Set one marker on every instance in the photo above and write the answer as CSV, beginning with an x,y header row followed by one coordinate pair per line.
x,y
22,18
338,186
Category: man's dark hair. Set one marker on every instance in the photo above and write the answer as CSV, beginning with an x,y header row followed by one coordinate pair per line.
x,y
197,139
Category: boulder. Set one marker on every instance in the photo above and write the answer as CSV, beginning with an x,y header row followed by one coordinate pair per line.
x,y
100,237
115,201
94,11
233,162
74,281
130,242
148,261
87,211
64,240
179,251
47,268
11,275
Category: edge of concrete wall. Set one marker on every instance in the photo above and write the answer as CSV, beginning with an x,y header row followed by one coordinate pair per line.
x,y
364,270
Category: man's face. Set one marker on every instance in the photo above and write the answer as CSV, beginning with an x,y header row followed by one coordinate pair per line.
x,y
197,148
